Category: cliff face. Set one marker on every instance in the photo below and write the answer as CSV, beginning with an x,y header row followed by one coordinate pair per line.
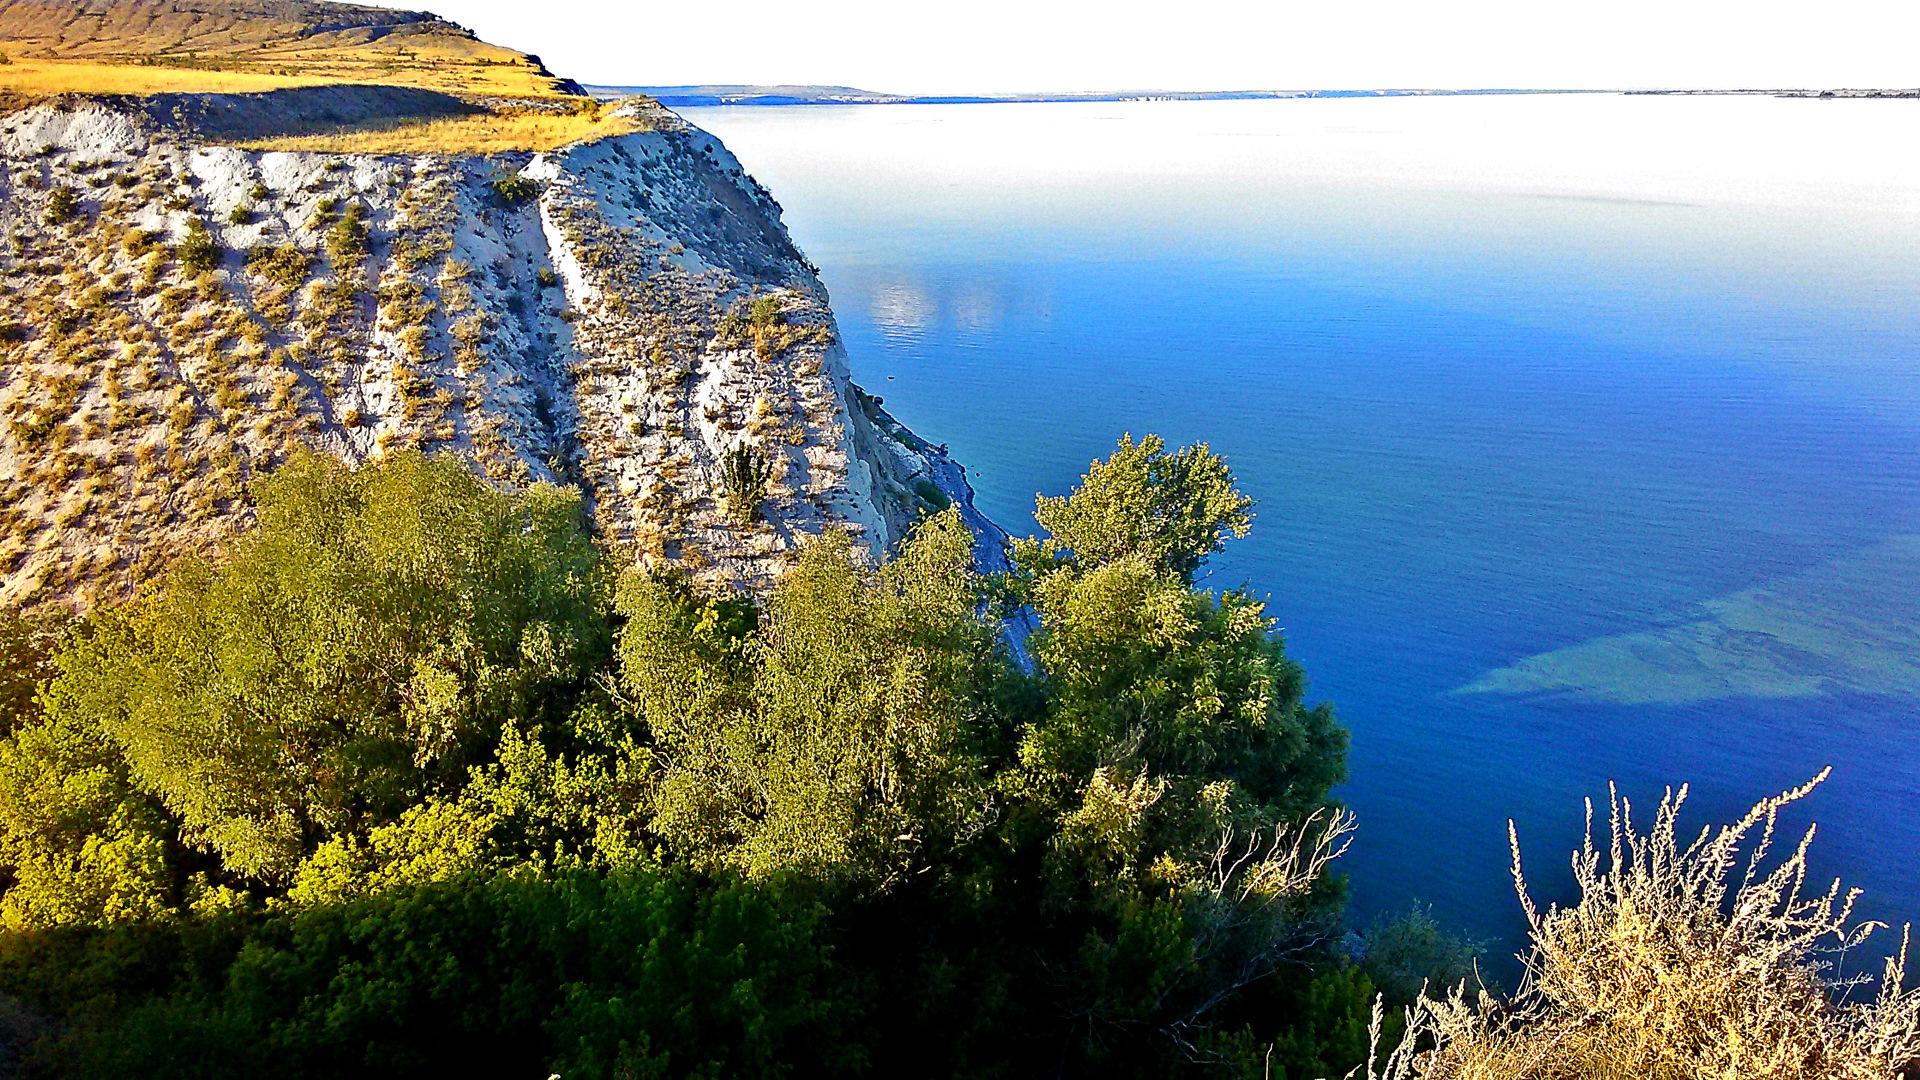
x,y
618,315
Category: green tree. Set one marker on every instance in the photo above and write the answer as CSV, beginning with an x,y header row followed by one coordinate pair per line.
x,y
1170,510
27,646
832,740
1175,748
79,843
1149,677
354,655
828,828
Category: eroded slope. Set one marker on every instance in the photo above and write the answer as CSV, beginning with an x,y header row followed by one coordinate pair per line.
x,y
616,315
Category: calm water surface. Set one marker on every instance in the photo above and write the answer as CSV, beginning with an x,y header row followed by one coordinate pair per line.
x,y
1585,430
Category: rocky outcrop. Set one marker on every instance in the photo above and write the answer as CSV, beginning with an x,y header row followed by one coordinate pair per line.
x,y
618,315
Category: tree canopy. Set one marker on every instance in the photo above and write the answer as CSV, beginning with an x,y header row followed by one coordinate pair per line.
x,y
412,703
1169,510
355,653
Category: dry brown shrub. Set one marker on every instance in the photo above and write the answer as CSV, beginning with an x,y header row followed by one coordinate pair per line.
x,y
1672,968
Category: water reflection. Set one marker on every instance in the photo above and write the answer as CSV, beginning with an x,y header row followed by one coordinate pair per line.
x,y
900,307
905,305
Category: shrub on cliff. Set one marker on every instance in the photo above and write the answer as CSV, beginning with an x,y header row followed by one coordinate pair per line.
x,y
745,473
198,252
512,189
61,205
347,239
286,265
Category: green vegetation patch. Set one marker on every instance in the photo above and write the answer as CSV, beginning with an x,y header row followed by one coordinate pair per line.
x,y
286,265
62,205
405,781
198,252
513,189
347,239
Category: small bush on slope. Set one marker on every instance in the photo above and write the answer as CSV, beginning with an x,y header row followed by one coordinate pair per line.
x,y
745,473
1670,968
199,252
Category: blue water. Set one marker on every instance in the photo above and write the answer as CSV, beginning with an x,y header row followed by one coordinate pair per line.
x,y
1507,377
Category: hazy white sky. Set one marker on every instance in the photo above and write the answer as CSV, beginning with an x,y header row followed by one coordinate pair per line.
x,y
1012,45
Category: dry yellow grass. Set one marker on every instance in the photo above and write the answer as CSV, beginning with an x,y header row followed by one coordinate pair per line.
x,y
1681,961
44,78
482,134
439,63
30,77
220,46
143,47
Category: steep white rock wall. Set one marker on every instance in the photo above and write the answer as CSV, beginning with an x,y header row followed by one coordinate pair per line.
x,y
665,248
617,315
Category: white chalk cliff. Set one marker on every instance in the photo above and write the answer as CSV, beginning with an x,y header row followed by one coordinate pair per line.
x,y
176,315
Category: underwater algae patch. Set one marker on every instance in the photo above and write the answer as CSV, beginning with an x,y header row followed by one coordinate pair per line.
x,y
1852,624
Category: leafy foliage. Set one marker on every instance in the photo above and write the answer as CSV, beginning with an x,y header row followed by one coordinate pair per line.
x,y
835,740
1152,678
27,645
83,845
384,790
1169,510
1411,952
638,973
355,654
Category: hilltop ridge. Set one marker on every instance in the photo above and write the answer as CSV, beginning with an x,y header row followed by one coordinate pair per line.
x,y
337,69
240,45
203,28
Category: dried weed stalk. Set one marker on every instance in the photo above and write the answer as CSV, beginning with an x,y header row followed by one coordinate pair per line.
x,y
1671,968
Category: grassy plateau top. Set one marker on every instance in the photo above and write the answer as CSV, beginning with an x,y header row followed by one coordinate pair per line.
x,y
478,97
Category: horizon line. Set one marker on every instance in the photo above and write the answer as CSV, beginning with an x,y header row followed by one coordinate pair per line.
x,y
838,89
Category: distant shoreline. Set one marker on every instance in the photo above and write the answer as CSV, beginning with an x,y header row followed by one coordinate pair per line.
x,y
729,94
1852,93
